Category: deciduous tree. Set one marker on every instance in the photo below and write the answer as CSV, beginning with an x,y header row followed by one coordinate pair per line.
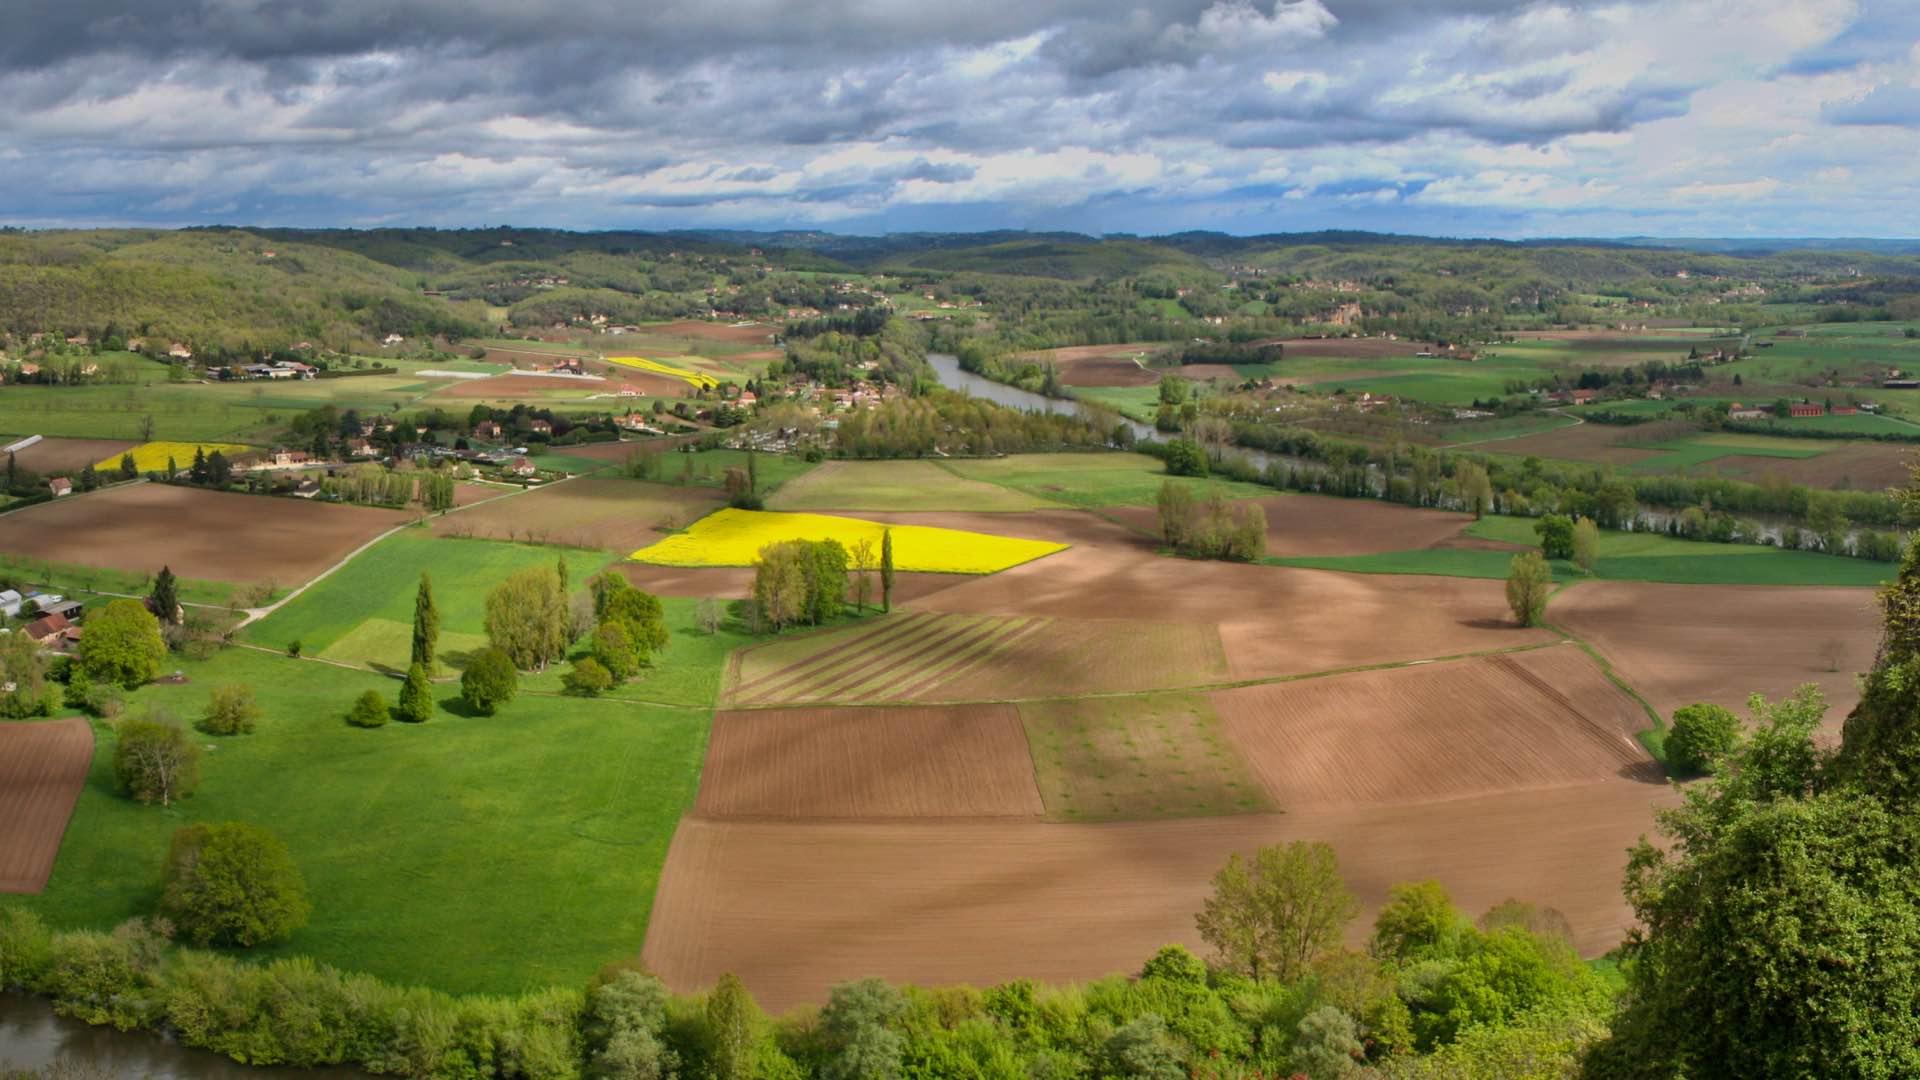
x,y
230,711
369,710
1271,915
1529,581
154,760
489,682
527,618
232,884
123,645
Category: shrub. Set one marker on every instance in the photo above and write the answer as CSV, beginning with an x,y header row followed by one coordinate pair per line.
x,y
1701,734
1185,458
1529,581
231,711
369,710
232,884
614,652
587,678
416,697
489,682
154,760
1556,536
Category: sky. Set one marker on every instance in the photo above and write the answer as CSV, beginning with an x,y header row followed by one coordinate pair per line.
x,y
1441,117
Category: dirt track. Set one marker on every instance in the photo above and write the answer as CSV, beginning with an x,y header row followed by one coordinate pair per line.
x,y
1537,719
214,535
42,767
958,761
1678,644
795,908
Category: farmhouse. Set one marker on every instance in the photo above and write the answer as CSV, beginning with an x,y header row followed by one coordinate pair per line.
x,y
1806,408
540,427
486,429
522,467
1739,412
60,485
52,631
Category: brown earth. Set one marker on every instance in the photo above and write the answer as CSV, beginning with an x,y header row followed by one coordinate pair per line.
x,y
1678,644
65,455
467,494
1324,525
1272,620
610,513
755,334
1207,372
953,762
793,908
1844,467
219,536
1599,443
926,657
1102,365
42,768
618,451
1542,718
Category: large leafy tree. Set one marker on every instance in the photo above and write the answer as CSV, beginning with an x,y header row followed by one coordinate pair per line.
x,y
1782,925
527,618
232,884
1272,915
123,645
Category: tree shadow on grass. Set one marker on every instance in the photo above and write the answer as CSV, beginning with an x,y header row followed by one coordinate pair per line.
x,y
457,706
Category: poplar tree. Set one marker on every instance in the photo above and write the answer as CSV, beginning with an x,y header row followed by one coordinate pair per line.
x,y
426,627
886,570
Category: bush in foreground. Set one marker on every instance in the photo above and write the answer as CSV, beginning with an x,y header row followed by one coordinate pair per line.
x,y
1701,735
232,884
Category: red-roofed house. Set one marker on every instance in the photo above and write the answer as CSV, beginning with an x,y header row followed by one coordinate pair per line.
x,y
522,467
51,631
60,485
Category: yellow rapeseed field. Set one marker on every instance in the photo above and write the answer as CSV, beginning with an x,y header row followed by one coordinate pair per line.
x,y
734,538
695,378
152,457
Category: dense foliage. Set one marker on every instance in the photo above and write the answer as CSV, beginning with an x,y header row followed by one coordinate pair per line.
x,y
232,884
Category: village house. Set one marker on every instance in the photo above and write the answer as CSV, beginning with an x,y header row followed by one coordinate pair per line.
x,y
486,429
392,339
522,467
1806,408
1745,412
60,485
52,631
179,351
361,448
540,427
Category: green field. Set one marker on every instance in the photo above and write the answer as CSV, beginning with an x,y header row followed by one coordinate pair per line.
x,y
72,580
1624,556
897,485
708,468
470,854
1092,480
380,584
1691,452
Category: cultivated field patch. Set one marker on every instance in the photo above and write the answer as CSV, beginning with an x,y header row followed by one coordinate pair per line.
x,y
42,768
897,485
794,907
733,537
921,656
1533,719
69,455
215,535
696,379
1678,644
611,513
154,456
387,645
1157,755
1103,365
955,761
1325,525
1092,480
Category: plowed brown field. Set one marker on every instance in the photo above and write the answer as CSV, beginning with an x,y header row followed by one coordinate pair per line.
x,y
959,761
1102,365
927,657
42,767
1272,620
200,534
60,454
1324,525
1678,644
1536,719
599,512
793,908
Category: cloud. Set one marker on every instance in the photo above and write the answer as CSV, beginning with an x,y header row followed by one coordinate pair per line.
x,y
1517,116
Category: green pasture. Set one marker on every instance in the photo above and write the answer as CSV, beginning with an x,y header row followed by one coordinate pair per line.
x,y
1091,480
71,579
1624,556
708,468
380,584
538,833
897,485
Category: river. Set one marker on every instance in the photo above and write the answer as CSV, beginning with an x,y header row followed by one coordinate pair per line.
x,y
32,1037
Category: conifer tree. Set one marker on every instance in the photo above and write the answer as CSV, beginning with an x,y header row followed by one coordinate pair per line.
x,y
426,627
